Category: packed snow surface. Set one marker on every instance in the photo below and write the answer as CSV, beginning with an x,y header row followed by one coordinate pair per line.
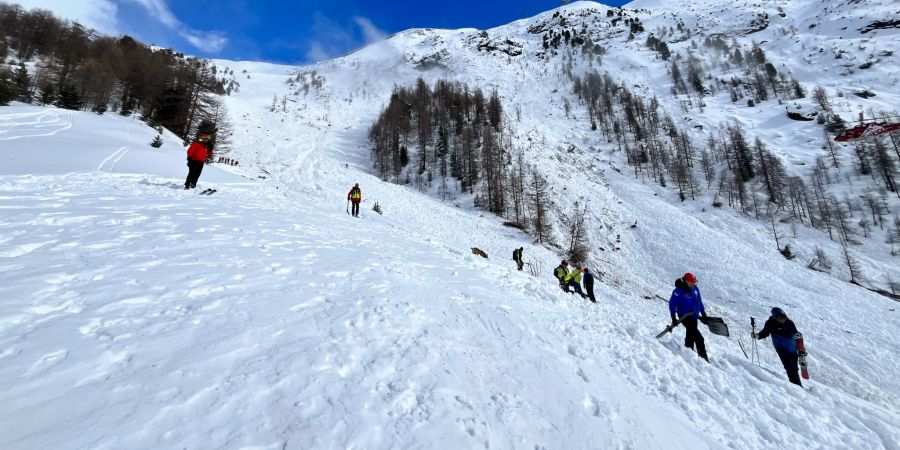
x,y
134,314
137,314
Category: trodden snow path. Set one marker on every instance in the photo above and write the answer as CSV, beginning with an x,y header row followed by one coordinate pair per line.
x,y
138,315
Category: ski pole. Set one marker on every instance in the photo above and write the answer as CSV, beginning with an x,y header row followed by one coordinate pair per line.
x,y
348,206
754,351
741,345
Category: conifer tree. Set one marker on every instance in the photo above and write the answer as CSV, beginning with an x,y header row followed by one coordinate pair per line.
x,y
68,97
8,89
23,84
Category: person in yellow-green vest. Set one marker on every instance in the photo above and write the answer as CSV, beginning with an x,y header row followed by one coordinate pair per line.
x,y
574,279
561,272
354,197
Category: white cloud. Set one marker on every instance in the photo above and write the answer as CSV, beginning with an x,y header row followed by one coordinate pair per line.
x,y
160,11
332,39
101,15
212,42
370,32
97,14
208,41
317,52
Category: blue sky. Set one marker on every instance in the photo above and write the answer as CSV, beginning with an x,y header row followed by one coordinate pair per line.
x,y
284,31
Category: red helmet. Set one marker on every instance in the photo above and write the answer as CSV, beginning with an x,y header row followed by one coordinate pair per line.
x,y
690,278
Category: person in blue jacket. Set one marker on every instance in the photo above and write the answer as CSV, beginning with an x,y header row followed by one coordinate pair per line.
x,y
782,331
686,298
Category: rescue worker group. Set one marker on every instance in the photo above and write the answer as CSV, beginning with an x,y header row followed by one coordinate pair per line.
x,y
685,304
686,308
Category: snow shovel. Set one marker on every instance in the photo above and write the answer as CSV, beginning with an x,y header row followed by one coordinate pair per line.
x,y
677,322
717,326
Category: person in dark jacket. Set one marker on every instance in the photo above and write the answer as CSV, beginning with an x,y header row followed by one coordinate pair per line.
x,y
686,298
561,272
196,158
782,331
589,284
517,257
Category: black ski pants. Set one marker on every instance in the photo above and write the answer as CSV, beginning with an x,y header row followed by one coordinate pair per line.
x,y
590,293
693,337
194,170
789,361
355,209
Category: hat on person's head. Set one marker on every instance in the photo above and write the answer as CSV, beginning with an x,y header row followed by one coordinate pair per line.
x,y
690,278
778,312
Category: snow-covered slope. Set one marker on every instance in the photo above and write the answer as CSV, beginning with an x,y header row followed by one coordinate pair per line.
x,y
43,141
138,315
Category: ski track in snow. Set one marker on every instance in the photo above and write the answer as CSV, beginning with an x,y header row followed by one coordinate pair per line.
x,y
34,124
109,164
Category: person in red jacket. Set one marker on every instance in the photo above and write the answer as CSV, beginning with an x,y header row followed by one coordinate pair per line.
x,y
196,157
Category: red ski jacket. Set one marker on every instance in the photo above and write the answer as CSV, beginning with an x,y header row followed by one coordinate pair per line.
x,y
197,152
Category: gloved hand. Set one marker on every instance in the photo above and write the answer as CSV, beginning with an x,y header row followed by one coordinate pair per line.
x,y
754,335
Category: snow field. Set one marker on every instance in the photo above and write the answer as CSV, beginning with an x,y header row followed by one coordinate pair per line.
x,y
177,323
171,318
134,314
38,140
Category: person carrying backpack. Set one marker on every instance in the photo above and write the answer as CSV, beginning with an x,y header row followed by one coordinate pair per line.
x,y
561,272
355,196
686,297
782,331
517,257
